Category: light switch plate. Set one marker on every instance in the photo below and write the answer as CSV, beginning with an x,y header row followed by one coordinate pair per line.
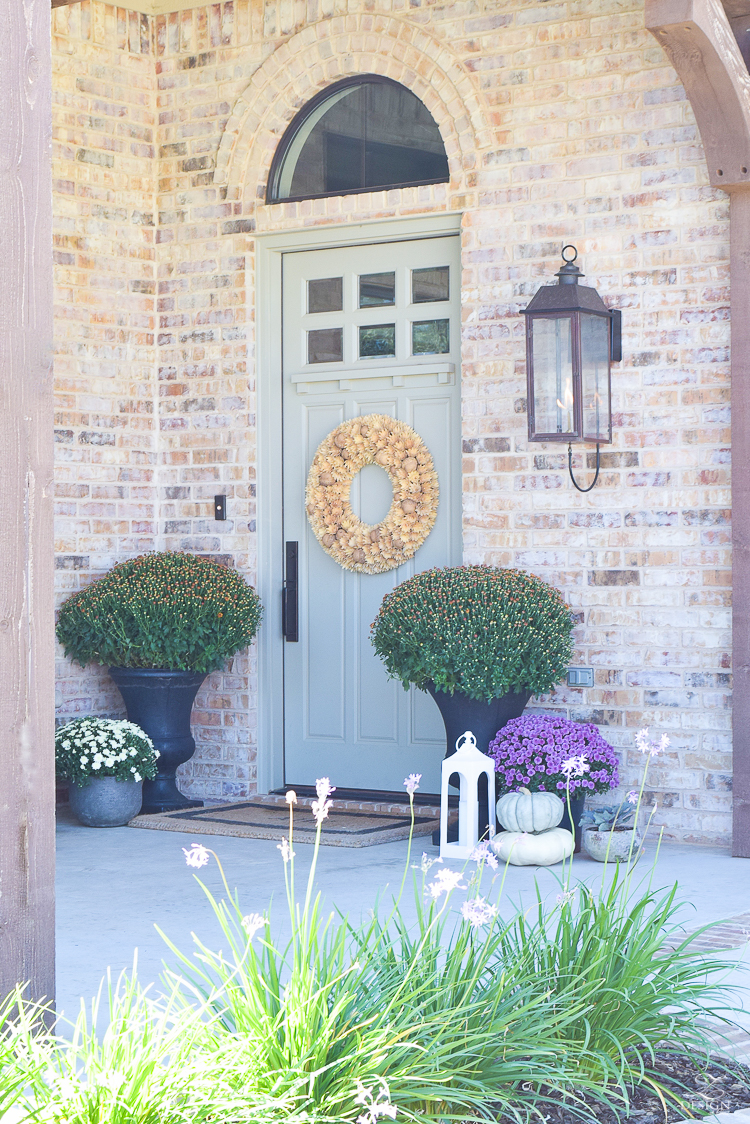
x,y
580,677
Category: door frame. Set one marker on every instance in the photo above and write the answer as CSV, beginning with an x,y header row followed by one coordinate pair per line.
x,y
269,451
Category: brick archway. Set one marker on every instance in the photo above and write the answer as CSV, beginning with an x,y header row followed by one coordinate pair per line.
x,y
339,48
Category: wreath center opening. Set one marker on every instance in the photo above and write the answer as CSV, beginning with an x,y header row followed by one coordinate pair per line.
x,y
371,494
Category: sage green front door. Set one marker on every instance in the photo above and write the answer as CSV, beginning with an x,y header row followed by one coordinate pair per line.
x,y
366,329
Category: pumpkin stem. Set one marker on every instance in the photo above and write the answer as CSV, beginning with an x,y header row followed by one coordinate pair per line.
x,y
525,791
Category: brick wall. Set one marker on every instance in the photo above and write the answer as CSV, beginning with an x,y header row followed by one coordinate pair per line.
x,y
563,122
104,136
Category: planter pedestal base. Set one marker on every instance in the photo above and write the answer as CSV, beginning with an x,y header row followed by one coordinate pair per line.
x,y
162,795
160,702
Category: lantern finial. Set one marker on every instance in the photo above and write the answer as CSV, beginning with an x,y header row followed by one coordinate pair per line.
x,y
569,273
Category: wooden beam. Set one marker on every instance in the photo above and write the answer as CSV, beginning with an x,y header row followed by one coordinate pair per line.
x,y
736,8
699,41
26,560
147,7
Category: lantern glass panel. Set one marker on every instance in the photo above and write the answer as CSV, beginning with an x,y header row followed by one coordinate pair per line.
x,y
595,377
552,358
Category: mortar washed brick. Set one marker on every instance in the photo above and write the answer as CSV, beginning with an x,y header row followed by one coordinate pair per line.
x,y
562,123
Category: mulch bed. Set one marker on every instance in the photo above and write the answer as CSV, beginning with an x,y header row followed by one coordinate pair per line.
x,y
706,1090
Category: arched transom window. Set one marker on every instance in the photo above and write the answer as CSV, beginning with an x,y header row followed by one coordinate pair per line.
x,y
362,134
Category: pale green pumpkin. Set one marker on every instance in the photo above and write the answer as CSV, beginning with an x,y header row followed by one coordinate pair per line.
x,y
532,812
533,850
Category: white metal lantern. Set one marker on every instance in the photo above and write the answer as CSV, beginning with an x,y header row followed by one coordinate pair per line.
x,y
470,764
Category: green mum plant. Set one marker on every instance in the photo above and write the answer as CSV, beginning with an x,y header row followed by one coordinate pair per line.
x,y
475,629
164,610
104,747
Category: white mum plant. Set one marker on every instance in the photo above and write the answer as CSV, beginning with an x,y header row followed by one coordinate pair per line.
x,y
104,747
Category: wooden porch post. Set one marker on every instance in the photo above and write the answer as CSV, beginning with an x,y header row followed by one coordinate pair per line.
x,y
26,557
740,309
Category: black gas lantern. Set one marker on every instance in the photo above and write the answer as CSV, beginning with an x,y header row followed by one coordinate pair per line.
x,y
571,339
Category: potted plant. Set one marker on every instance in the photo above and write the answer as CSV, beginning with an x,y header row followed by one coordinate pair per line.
x,y
161,622
611,832
481,640
105,762
533,751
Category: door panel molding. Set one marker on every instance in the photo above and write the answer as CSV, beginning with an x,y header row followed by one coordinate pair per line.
x,y
268,375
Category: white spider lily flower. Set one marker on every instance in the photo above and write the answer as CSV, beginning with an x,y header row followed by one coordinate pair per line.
x,y
426,863
478,912
197,856
251,923
375,1106
645,745
412,783
483,853
322,805
445,882
575,766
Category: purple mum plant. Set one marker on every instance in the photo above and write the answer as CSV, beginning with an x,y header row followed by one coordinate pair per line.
x,y
529,752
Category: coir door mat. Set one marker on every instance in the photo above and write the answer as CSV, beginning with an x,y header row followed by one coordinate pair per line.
x,y
250,819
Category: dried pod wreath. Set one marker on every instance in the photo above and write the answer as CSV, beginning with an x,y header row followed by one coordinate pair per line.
x,y
373,439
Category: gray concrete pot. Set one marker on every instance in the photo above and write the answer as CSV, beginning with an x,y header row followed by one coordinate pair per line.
x,y
105,801
612,846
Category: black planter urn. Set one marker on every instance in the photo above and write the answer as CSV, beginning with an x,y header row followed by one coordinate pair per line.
x,y
461,713
160,702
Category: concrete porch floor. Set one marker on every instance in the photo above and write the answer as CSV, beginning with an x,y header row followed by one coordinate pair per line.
x,y
115,885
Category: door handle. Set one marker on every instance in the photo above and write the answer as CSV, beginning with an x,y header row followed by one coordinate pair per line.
x,y
290,595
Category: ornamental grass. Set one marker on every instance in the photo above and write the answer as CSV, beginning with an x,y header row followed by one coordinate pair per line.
x,y
164,610
461,1015
478,630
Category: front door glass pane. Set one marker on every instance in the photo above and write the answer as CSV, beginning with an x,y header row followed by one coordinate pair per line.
x,y
325,345
430,285
376,289
553,375
325,294
430,337
595,377
377,341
